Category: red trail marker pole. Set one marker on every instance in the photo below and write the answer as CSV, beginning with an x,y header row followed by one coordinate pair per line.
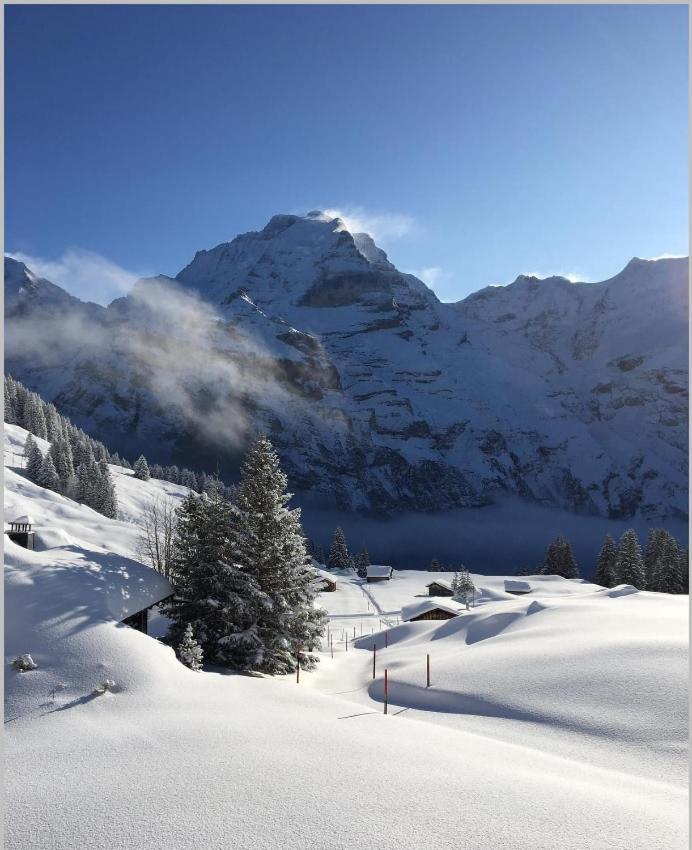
x,y
374,655
386,690
427,665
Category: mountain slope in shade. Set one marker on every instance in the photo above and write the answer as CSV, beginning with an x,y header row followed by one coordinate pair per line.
x,y
379,397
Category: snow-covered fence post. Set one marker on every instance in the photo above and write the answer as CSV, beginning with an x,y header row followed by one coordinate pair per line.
x,y
385,639
298,664
346,641
374,656
354,632
427,669
385,690
331,646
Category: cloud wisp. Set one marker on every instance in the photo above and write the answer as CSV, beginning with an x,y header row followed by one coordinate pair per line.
x,y
165,356
85,274
430,275
382,226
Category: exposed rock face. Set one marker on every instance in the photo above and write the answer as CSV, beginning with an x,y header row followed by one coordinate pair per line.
x,y
379,397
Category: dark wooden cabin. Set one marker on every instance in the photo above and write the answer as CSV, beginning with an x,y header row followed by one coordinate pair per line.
x,y
440,588
434,614
379,572
431,609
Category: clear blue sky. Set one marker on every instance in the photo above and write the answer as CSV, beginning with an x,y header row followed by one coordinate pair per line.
x,y
482,141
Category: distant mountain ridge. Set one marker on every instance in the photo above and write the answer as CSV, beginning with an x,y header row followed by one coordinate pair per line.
x,y
379,397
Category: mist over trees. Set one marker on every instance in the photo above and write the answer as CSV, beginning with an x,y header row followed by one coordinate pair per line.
x,y
78,459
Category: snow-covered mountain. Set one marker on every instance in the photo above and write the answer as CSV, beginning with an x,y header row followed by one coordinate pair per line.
x,y
379,397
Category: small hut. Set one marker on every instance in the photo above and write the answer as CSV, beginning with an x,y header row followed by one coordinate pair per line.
x,y
439,587
324,582
20,531
517,588
431,609
378,572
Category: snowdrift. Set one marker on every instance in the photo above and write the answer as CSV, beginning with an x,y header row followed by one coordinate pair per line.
x,y
522,688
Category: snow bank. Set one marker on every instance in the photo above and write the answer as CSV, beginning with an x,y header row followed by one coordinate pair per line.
x,y
558,722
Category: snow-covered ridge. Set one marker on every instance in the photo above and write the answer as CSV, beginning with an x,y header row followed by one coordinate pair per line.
x,y
378,397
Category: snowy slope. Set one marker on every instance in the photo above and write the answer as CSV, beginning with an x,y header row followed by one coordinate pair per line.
x,y
380,398
182,760
571,668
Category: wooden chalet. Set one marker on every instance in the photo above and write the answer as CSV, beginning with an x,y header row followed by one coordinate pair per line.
x,y
324,582
431,609
440,587
378,572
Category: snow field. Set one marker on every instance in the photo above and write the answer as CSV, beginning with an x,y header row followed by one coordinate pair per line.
x,y
554,720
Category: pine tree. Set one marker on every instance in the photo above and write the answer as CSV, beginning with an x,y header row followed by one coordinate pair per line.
x,y
606,568
462,585
107,502
362,563
61,453
33,459
82,453
189,651
141,469
338,553
214,595
655,542
83,484
684,567
559,559
53,430
21,394
34,419
665,573
10,401
48,477
93,488
271,546
212,485
630,565
435,566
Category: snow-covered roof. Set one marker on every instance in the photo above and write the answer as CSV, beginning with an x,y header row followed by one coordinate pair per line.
x,y
25,519
512,586
323,574
415,609
379,570
441,583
